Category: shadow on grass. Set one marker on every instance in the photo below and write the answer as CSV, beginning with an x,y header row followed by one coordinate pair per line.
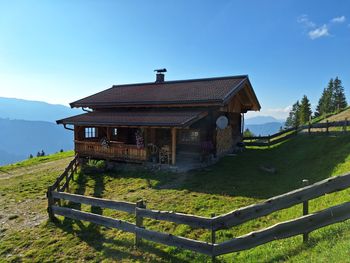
x,y
303,157
92,233
95,237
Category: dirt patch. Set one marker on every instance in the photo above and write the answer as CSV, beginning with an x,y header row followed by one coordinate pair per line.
x,y
24,214
17,215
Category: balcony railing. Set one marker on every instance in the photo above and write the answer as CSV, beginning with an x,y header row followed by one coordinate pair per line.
x,y
114,151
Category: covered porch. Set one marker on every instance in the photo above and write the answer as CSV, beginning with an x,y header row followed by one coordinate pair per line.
x,y
132,136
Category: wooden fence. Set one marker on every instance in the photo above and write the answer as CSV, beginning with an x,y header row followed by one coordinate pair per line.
x,y
291,132
302,225
62,183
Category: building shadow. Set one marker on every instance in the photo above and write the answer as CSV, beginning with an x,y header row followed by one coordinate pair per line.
x,y
111,248
260,173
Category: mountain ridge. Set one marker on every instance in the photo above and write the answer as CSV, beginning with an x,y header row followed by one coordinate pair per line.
x,y
30,110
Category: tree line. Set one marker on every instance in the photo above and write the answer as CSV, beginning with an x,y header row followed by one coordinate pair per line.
x,y
40,154
332,100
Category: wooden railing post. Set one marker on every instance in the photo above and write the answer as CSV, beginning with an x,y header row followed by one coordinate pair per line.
x,y
139,221
305,211
268,141
50,203
213,238
309,128
327,127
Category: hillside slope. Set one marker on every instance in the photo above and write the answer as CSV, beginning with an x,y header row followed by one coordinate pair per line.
x,y
19,109
234,182
341,116
21,138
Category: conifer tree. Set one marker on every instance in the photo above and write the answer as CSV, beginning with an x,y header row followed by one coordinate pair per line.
x,y
247,133
293,119
339,100
304,110
325,104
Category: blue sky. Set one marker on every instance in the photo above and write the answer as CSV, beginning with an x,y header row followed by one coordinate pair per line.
x,y
60,51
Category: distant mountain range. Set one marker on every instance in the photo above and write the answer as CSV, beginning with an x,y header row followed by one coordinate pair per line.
x,y
19,139
18,109
27,127
263,125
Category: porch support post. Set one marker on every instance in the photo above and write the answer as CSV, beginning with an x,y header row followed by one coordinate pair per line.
x,y
108,133
173,146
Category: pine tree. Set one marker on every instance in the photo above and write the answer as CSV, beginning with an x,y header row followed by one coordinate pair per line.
x,y
339,100
304,110
42,153
30,156
38,154
293,119
247,133
325,104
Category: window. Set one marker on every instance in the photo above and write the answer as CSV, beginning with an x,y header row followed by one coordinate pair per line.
x,y
90,132
189,137
114,131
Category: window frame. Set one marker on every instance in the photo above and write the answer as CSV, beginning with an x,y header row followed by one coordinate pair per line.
x,y
90,132
192,136
114,132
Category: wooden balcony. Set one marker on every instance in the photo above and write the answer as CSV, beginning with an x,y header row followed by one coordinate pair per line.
x,y
115,151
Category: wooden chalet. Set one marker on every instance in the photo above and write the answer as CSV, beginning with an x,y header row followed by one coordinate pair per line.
x,y
163,121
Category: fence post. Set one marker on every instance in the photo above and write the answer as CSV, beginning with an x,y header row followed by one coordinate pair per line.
x,y
309,129
268,141
139,221
327,127
213,238
305,211
50,203
67,181
345,124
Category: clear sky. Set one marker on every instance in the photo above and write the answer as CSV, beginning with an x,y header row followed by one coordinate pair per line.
x,y
60,51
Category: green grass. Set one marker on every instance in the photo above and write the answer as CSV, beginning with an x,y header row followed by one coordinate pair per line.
x,y
333,116
37,160
232,183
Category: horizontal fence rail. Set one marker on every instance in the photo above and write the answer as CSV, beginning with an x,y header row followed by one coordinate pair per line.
x,y
103,203
179,218
286,229
176,241
94,218
280,202
302,225
67,174
290,132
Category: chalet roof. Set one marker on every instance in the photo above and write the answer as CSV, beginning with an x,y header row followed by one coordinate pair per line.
x,y
163,118
208,91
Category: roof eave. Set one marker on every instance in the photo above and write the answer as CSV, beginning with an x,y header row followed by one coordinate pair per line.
x,y
229,96
147,104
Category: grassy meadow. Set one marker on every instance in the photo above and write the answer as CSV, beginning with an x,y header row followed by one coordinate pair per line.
x,y
234,182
